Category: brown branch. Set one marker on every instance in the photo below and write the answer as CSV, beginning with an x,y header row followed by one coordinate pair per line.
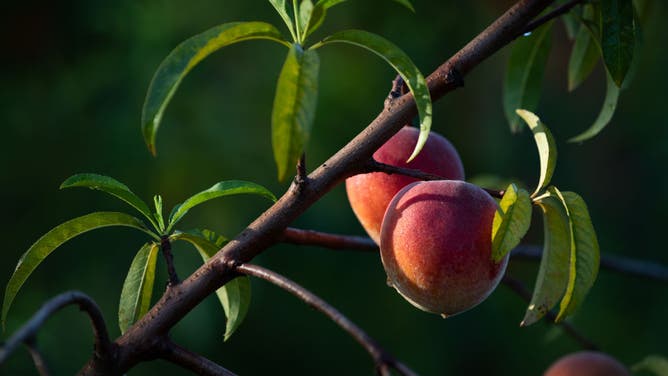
x,y
37,358
166,247
374,166
562,9
381,358
521,290
187,359
268,229
332,241
27,333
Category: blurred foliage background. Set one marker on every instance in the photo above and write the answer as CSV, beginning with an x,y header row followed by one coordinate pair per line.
x,y
73,79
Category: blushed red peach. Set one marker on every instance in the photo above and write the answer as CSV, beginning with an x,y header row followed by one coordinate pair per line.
x,y
369,194
587,363
436,245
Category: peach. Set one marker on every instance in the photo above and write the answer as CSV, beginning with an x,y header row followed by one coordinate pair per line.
x,y
587,363
369,194
436,245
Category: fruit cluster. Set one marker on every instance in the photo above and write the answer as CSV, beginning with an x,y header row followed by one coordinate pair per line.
x,y
435,236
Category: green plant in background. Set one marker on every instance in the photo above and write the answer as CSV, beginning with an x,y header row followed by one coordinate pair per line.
x,y
297,87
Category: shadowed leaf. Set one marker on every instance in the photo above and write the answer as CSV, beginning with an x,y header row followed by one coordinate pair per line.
x,y
604,117
654,364
617,37
138,286
585,53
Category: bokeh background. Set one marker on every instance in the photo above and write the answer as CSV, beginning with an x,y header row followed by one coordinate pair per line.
x,y
72,82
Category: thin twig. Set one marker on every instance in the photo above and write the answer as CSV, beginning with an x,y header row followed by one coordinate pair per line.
x,y
27,332
37,358
326,240
375,166
166,247
381,358
518,287
302,175
562,9
623,265
187,359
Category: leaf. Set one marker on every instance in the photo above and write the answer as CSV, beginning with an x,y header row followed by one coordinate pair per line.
x,y
524,73
584,256
235,295
617,37
604,117
407,4
157,202
570,24
547,148
113,187
279,5
138,286
294,107
511,221
394,56
305,13
553,271
655,364
57,236
585,53
185,57
220,189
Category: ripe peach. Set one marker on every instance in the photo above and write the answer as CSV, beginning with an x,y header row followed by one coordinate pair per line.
x,y
436,245
369,194
587,363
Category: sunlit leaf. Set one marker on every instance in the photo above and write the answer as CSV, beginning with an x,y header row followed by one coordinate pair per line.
x,y
547,147
604,117
554,265
617,37
221,189
57,236
111,186
305,13
138,286
185,57
282,11
511,221
584,256
235,295
585,53
524,73
402,64
294,107
654,364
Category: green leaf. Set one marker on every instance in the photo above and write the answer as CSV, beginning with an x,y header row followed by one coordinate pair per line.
x,y
407,4
604,117
235,295
584,255
655,364
585,53
570,24
524,73
394,56
113,187
220,189
282,11
138,286
185,57
294,107
57,236
305,13
617,37
553,272
511,221
547,148
157,202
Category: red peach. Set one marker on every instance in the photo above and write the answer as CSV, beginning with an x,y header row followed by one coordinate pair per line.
x,y
369,194
587,363
436,245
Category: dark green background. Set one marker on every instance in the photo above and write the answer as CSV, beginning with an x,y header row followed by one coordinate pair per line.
x,y
73,79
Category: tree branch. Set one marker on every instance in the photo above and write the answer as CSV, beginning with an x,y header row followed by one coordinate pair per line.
x,y
381,358
518,287
562,9
27,333
332,241
37,358
196,363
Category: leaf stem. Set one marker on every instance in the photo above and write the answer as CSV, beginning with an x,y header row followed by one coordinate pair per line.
x,y
187,359
166,246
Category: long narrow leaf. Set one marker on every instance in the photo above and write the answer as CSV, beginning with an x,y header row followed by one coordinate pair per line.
x,y
617,37
279,5
524,73
604,117
585,254
223,188
547,148
235,295
111,186
511,221
294,107
185,57
57,236
394,56
553,271
585,53
138,286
